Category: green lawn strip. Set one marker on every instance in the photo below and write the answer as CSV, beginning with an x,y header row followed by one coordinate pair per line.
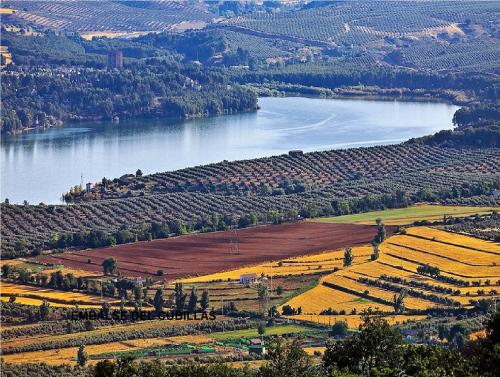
x,y
252,333
410,214
168,350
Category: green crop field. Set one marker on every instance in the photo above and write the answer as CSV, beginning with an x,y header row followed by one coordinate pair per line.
x,y
403,216
252,333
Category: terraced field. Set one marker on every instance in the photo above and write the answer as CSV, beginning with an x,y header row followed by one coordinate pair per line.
x,y
469,269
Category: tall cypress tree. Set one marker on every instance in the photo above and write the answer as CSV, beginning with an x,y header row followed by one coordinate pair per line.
x,y
205,300
158,301
180,296
193,300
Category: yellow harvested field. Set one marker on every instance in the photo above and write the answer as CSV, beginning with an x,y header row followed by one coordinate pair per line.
x,y
452,270
444,263
66,355
11,262
322,297
38,302
410,302
310,264
440,251
461,257
377,268
52,357
311,350
136,326
51,295
459,239
75,272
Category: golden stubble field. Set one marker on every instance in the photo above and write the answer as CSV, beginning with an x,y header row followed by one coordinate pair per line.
x,y
457,256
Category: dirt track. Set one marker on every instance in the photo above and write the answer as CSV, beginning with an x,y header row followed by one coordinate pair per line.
x,y
201,254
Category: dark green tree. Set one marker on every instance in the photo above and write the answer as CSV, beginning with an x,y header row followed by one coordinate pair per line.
x,y
348,257
105,368
339,328
205,300
180,296
82,356
376,345
485,352
43,310
138,294
287,359
376,253
193,300
158,300
381,233
398,301
109,265
261,328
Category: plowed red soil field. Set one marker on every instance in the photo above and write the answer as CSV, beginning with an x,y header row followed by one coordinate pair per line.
x,y
201,254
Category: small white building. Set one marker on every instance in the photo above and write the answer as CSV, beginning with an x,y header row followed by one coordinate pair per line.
x,y
248,278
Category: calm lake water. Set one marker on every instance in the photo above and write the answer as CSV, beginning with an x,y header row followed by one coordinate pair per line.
x,y
40,166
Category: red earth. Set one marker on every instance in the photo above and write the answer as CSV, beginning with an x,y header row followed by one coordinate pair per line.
x,y
206,253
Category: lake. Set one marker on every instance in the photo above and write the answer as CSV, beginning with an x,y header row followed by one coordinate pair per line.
x,y
39,166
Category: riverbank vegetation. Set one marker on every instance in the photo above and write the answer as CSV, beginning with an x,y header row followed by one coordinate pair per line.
x,y
38,97
329,50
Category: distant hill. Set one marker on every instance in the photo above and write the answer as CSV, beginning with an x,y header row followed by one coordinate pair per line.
x,y
94,16
452,36
418,34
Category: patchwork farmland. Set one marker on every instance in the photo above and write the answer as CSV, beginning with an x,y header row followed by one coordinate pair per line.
x,y
212,252
222,343
462,269
436,269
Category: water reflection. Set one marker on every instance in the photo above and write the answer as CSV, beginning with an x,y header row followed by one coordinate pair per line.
x,y
39,166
